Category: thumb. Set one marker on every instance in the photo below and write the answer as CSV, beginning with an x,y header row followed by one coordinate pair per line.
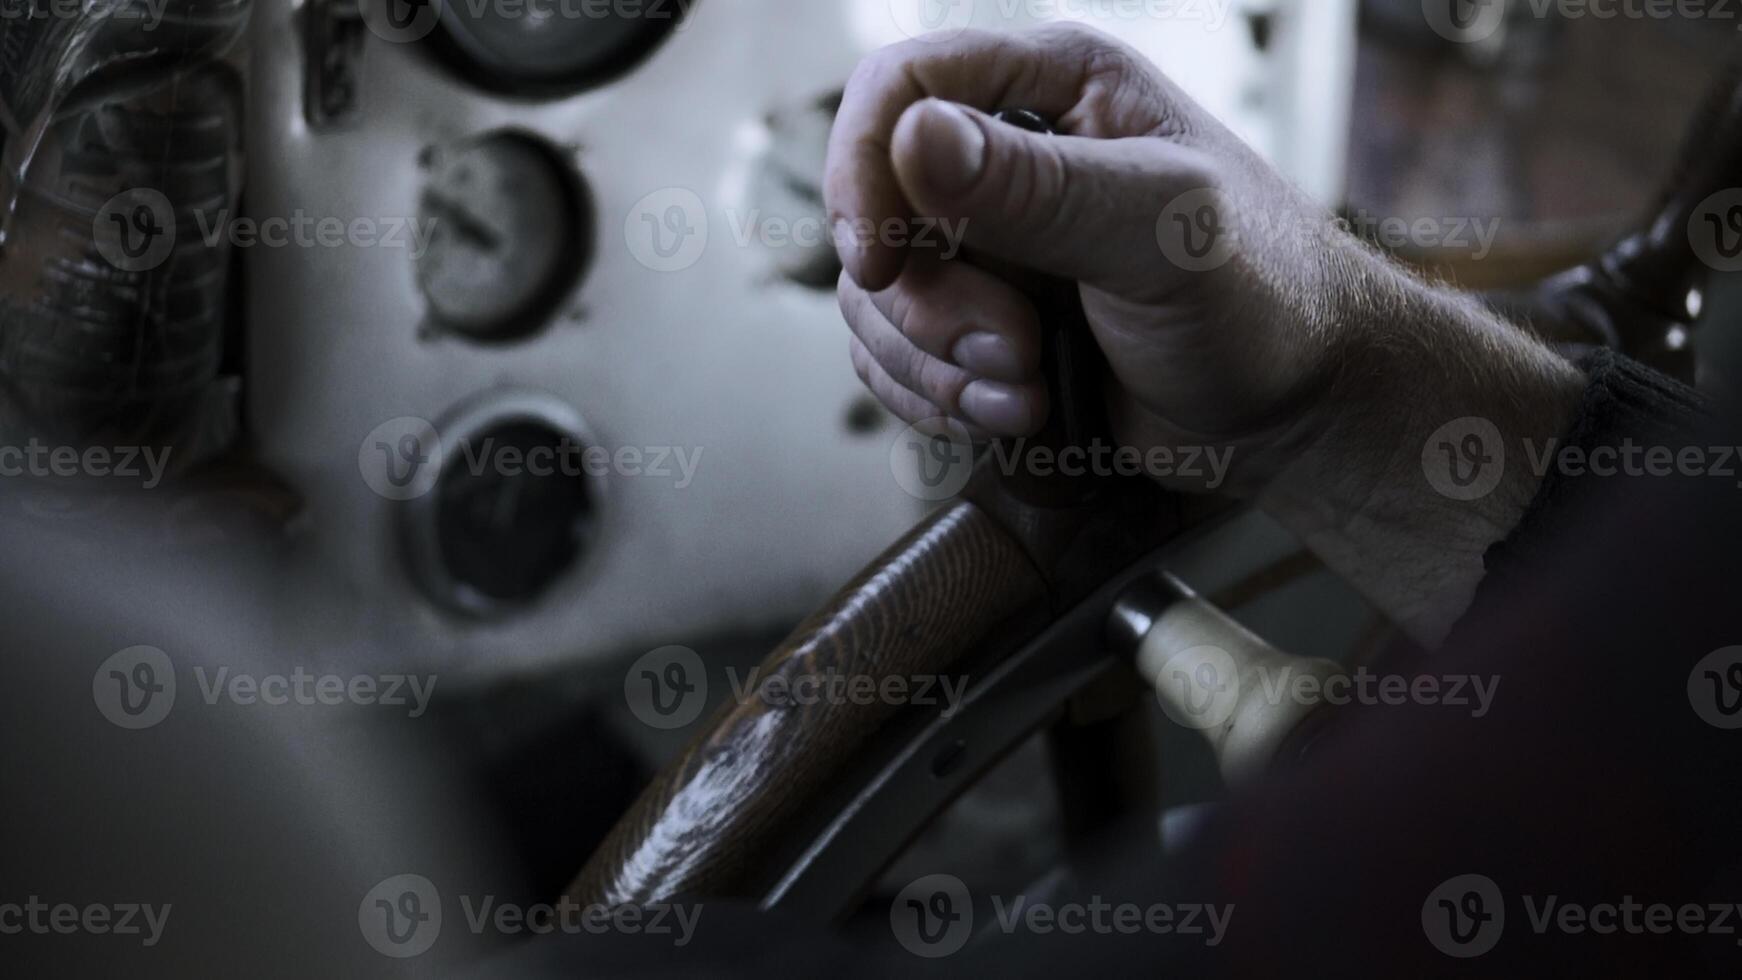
x,y
1083,209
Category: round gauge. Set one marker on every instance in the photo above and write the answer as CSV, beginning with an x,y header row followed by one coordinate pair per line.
x,y
513,509
539,47
509,230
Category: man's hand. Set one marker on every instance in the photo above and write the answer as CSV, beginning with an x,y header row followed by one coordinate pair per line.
x,y
1233,313
1218,331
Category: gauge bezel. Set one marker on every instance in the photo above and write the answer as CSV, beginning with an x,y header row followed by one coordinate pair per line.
x,y
576,251
495,71
419,518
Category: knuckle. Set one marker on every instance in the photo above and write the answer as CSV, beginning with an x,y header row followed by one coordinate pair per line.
x,y
1127,92
917,322
941,382
885,70
894,397
1110,61
902,306
977,39
890,353
869,70
1073,34
853,311
913,370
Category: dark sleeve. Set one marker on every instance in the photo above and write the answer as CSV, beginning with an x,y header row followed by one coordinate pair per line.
x,y
1626,404
1601,770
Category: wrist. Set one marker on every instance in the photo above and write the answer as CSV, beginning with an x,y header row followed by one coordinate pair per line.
x,y
1417,457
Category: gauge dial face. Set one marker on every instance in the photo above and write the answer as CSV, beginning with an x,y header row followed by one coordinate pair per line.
x,y
504,538
535,47
514,506
509,231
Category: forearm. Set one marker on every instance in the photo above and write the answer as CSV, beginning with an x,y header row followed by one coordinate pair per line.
x,y
1382,490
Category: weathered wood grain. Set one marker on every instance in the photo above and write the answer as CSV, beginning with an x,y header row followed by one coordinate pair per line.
x,y
703,825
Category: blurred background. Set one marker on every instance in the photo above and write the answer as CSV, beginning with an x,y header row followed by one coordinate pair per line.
x,y
609,233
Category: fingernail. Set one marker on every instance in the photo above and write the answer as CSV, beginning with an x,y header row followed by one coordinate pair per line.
x,y
988,355
996,407
953,144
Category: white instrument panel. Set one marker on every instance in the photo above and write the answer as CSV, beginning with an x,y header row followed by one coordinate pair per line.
x,y
710,354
